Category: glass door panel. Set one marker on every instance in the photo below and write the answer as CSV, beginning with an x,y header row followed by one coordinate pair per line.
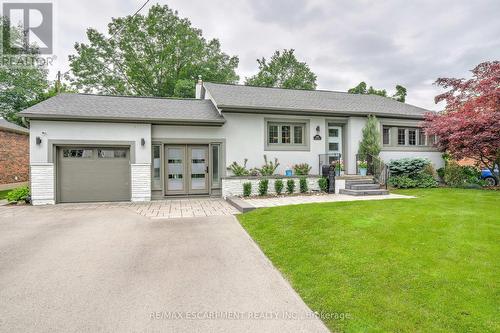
x,y
198,169
175,157
334,140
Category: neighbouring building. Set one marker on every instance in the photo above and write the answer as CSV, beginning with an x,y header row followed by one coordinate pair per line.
x,y
14,155
112,148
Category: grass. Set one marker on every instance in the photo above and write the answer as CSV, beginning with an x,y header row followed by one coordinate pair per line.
x,y
430,264
3,194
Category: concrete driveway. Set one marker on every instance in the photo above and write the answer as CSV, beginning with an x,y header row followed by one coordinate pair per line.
x,y
110,269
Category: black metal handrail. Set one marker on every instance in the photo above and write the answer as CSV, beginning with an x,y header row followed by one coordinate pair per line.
x,y
328,159
375,167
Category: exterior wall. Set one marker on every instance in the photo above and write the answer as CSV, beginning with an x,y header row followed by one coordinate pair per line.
x,y
42,184
434,156
141,182
42,157
244,135
354,135
14,157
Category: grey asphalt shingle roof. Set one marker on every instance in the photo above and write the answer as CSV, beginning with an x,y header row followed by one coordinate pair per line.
x,y
124,108
228,96
8,126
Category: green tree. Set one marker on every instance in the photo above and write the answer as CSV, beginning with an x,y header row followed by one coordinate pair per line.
x,y
400,94
361,88
22,82
370,143
283,71
152,55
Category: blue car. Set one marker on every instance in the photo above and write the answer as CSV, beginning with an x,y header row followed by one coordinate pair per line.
x,y
488,176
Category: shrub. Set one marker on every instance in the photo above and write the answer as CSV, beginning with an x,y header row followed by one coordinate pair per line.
x,y
290,186
323,184
403,181
440,173
247,189
18,194
269,168
425,180
363,165
408,166
370,142
263,186
460,176
301,169
239,170
303,185
278,186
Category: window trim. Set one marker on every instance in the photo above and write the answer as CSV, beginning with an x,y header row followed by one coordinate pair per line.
x,y
304,123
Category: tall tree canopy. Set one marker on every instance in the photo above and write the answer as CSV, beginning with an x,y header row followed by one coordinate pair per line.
x,y
23,82
361,88
283,71
156,54
469,126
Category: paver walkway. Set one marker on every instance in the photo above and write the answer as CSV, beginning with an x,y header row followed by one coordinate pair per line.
x,y
297,200
171,208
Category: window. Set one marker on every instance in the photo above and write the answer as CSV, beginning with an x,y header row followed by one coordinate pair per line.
x,y
333,146
298,135
281,135
386,135
421,138
215,165
156,162
401,136
273,134
412,137
333,132
432,140
77,153
285,134
111,153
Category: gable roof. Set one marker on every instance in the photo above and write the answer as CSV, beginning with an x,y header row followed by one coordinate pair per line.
x,y
10,127
125,109
229,97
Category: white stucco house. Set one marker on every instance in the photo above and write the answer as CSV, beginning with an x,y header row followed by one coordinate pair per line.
x,y
111,148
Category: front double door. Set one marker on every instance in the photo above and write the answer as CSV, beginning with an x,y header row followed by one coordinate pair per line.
x,y
186,169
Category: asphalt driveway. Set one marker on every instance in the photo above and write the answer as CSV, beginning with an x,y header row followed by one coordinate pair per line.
x,y
109,269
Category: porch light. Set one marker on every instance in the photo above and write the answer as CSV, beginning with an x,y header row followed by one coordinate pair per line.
x,y
143,142
38,140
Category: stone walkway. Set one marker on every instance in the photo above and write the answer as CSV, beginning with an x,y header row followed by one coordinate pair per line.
x,y
298,200
171,208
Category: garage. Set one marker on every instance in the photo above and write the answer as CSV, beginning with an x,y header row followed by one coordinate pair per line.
x,y
91,174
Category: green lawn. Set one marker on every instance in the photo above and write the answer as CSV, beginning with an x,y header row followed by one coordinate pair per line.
x,y
430,264
3,194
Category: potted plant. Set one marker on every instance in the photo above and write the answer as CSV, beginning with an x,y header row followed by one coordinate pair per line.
x,y
363,167
341,167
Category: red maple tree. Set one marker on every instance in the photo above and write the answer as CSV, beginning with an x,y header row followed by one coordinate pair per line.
x,y
469,126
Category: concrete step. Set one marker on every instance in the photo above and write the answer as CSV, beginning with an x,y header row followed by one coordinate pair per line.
x,y
363,187
364,192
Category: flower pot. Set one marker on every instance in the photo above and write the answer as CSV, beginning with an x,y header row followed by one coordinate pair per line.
x,y
362,171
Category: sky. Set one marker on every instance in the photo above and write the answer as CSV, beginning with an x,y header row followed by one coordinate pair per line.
x,y
381,42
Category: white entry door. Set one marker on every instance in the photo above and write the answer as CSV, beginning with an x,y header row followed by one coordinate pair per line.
x,y
334,141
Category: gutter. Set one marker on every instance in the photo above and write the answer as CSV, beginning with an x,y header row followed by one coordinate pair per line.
x,y
153,121
312,112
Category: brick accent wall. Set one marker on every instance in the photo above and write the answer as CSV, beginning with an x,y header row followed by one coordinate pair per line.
x,y
14,157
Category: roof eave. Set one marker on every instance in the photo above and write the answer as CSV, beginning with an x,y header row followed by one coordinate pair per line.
x,y
154,121
312,112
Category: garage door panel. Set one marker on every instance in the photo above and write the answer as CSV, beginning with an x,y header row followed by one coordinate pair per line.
x,y
97,174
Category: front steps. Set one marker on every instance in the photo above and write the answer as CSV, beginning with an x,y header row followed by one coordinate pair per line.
x,y
362,186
